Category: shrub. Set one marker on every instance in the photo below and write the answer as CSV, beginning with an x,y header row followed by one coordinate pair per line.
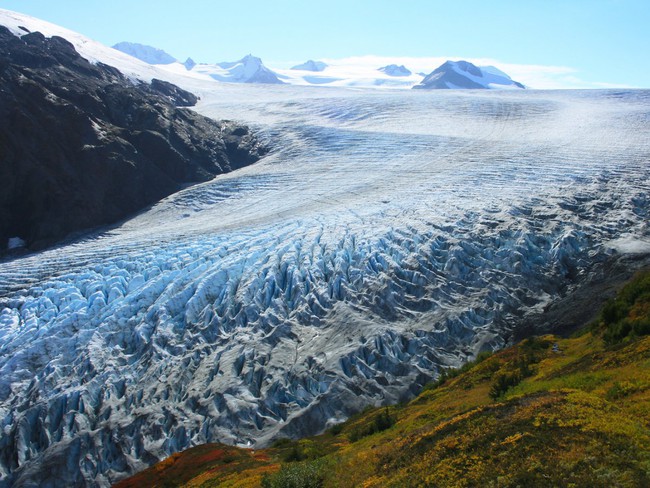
x,y
308,474
295,454
534,344
449,373
381,422
281,442
627,314
336,429
621,390
503,382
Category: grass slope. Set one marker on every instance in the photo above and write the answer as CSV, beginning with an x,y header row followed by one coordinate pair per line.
x,y
549,411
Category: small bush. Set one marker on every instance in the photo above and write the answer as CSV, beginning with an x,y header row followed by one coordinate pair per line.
x,y
534,344
381,422
295,454
281,442
449,373
621,390
503,382
627,314
336,429
308,474
617,331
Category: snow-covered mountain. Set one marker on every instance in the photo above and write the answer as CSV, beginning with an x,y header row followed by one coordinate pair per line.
x,y
249,69
95,52
189,64
310,65
148,54
395,70
465,75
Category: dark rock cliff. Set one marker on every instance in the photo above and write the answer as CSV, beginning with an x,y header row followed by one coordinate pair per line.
x,y
83,146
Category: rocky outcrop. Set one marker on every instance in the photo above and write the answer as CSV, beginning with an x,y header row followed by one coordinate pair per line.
x,y
83,146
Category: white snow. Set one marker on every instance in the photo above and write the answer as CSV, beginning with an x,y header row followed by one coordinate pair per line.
x,y
148,54
249,69
356,73
631,245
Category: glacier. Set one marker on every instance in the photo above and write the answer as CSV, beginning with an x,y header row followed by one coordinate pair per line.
x,y
387,236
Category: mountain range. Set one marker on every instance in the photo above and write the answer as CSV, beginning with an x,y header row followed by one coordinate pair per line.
x,y
251,69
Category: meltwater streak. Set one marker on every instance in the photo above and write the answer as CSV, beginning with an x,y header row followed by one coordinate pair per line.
x,y
387,235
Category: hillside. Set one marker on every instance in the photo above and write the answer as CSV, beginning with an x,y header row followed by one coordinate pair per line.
x,y
549,411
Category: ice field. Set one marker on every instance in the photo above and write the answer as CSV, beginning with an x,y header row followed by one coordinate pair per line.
x,y
386,236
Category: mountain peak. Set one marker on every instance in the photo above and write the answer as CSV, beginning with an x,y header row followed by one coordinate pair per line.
x,y
249,69
465,75
189,64
395,70
310,65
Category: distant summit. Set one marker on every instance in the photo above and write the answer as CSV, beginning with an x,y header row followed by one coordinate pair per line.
x,y
248,69
311,66
148,54
189,64
394,70
465,75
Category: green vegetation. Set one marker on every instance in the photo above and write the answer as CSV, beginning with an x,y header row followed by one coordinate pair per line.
x,y
520,368
381,421
628,315
309,474
549,411
450,373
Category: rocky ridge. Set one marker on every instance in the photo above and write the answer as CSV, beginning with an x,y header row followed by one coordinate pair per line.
x,y
83,146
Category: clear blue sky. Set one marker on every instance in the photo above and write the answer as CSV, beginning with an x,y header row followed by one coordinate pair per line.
x,y
604,40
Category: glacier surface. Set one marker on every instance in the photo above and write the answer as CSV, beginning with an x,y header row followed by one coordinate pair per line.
x,y
388,235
